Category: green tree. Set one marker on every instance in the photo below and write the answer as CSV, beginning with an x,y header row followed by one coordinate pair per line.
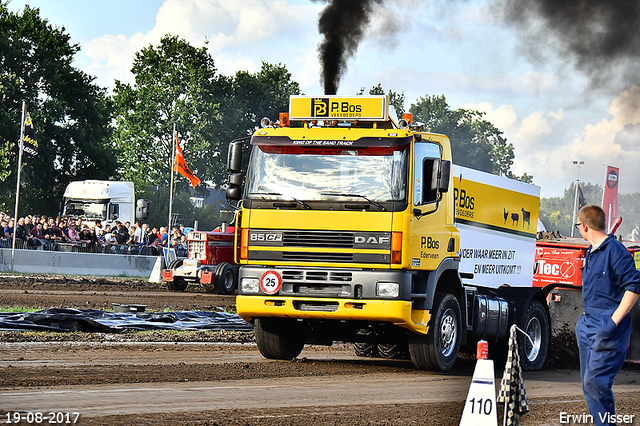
x,y
628,210
255,96
262,94
176,82
475,142
556,213
71,115
395,99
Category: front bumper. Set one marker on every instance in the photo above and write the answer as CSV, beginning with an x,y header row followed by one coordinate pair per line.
x,y
396,312
190,270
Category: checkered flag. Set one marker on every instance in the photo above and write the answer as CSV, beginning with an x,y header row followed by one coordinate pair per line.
x,y
512,392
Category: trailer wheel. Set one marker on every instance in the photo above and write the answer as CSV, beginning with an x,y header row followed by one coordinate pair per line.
x,y
178,284
278,338
226,280
536,325
438,349
366,349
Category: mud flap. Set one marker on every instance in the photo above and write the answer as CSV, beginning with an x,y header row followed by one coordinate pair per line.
x,y
206,277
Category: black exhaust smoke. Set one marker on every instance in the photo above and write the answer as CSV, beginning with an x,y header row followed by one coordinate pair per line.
x,y
342,23
601,36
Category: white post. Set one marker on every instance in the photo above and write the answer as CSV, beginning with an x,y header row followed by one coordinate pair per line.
x,y
575,209
575,200
15,212
173,165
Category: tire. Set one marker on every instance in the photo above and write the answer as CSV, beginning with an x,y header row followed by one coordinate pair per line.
x,y
393,350
438,349
278,338
178,284
366,349
536,325
226,281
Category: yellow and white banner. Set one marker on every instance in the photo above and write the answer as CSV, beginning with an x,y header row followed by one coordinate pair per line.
x,y
328,107
497,219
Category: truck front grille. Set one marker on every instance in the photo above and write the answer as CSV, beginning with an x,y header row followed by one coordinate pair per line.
x,y
313,275
317,257
317,283
313,246
197,250
318,239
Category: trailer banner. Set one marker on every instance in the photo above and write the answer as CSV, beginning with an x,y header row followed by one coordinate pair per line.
x,y
497,219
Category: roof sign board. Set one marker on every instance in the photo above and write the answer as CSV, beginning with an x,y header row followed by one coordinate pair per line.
x,y
328,107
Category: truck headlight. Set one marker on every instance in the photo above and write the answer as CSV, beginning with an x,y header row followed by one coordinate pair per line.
x,y
387,289
249,285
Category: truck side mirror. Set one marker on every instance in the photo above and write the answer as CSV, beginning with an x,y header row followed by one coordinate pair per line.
x,y
440,175
235,180
445,174
233,193
234,157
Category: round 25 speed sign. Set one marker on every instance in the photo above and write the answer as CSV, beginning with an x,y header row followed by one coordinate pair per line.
x,y
270,282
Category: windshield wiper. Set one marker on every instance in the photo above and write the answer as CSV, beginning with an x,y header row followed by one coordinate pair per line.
x,y
302,203
338,194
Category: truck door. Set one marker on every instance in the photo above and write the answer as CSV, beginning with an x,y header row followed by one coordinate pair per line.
x,y
429,233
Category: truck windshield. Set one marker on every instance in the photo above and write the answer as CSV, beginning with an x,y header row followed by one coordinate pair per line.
x,y
86,210
295,173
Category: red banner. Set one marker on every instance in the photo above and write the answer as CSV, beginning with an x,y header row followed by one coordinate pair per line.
x,y
610,199
181,166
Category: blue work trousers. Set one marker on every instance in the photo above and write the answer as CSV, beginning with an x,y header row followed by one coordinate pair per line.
x,y
603,348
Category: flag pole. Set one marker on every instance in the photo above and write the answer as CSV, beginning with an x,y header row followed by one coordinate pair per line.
x,y
173,165
15,212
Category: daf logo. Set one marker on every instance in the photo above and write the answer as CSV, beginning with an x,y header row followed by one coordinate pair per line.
x,y
372,240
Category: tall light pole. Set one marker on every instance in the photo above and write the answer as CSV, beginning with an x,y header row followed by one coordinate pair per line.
x,y
575,201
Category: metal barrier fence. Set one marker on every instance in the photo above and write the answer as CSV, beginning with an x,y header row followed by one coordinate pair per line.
x,y
79,247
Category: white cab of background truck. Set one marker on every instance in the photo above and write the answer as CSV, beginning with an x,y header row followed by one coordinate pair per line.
x,y
102,200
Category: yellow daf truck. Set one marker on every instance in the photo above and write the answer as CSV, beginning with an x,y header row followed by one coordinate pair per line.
x,y
355,226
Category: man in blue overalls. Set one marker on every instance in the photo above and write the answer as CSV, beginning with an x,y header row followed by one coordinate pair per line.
x,y
610,288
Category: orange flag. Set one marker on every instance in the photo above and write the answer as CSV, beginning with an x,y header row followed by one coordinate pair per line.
x,y
181,166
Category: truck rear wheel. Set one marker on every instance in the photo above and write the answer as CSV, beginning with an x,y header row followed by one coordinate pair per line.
x,y
278,338
225,279
393,350
366,349
536,325
438,349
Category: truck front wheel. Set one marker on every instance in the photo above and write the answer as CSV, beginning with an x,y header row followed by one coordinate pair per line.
x,y
438,349
178,283
278,338
536,324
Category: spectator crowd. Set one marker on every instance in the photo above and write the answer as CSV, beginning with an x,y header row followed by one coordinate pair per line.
x,y
66,233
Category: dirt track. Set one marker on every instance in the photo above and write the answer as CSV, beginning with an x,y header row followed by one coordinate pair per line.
x,y
220,378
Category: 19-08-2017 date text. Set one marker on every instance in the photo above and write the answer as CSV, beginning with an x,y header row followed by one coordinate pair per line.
x,y
37,417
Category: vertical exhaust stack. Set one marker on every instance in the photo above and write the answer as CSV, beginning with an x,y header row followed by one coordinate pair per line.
x,y
342,23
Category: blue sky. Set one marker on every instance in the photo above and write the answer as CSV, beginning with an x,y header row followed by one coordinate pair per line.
x,y
462,49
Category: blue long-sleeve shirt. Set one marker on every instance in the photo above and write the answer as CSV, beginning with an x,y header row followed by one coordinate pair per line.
x,y
608,272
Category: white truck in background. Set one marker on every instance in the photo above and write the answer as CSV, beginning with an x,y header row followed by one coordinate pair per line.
x,y
103,200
